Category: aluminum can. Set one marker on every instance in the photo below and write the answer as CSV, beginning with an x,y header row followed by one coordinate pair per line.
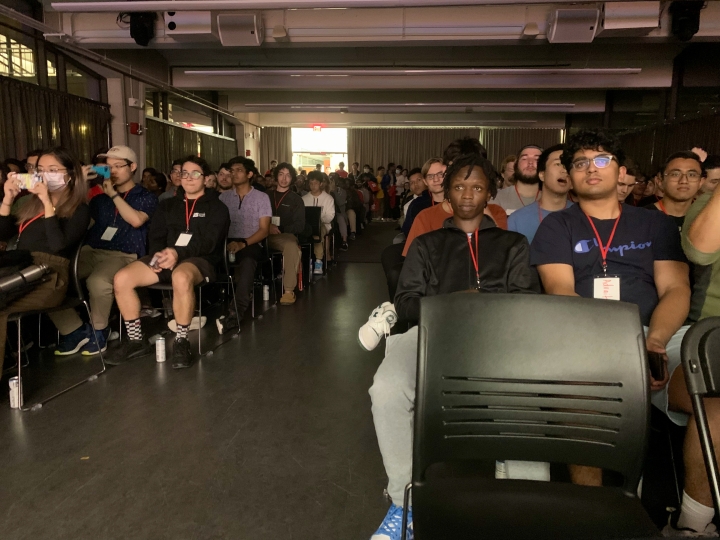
x,y
15,394
231,257
266,293
160,349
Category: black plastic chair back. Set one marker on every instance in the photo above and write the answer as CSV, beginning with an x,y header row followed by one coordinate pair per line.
x,y
701,362
531,377
313,217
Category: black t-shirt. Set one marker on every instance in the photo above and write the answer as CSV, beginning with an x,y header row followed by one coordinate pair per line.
x,y
642,237
679,220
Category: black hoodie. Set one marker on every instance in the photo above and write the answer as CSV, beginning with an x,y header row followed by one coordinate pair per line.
x,y
439,262
209,226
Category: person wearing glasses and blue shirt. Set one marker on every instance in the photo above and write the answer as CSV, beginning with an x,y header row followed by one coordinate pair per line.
x,y
186,244
601,249
117,237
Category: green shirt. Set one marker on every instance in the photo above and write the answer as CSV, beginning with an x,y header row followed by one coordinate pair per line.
x,y
705,300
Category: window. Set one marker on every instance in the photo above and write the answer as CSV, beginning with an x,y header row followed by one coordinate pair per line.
x,y
52,70
328,140
81,83
17,60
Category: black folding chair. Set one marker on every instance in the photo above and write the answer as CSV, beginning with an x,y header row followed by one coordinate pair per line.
x,y
700,353
313,217
74,298
567,383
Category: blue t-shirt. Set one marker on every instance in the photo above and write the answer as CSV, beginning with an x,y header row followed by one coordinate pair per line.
x,y
526,220
127,239
642,237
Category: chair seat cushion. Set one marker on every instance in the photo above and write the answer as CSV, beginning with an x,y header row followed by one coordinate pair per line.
x,y
518,509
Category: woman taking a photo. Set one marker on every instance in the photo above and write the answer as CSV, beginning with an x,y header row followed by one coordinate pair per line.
x,y
50,225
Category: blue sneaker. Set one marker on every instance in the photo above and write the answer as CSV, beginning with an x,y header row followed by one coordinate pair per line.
x,y
74,341
97,344
391,527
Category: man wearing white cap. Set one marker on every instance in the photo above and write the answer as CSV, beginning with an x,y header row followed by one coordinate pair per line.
x,y
117,237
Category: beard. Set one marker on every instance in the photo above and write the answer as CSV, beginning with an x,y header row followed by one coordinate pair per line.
x,y
529,180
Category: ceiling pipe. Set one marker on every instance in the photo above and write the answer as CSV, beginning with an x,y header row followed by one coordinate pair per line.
x,y
67,43
220,5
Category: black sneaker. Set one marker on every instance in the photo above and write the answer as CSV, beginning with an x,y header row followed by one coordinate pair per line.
x,y
344,246
182,355
128,349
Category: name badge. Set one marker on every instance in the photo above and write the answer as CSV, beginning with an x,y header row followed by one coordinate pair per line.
x,y
508,212
607,287
275,220
109,233
183,240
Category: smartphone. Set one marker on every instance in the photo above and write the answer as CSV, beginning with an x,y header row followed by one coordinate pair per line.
x,y
28,180
153,262
102,171
657,365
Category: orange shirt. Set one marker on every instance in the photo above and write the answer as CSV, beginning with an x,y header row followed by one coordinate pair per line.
x,y
432,219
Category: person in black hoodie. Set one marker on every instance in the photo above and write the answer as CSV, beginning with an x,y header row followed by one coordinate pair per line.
x,y
468,254
186,244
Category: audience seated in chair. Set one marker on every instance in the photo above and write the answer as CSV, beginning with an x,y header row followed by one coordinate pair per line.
x,y
318,197
288,219
469,253
117,238
50,224
187,236
250,214
599,248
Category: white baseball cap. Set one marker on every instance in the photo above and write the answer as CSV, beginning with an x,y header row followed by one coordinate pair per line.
x,y
120,152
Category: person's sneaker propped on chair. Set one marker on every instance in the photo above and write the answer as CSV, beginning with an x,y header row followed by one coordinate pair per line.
x,y
97,344
74,341
391,527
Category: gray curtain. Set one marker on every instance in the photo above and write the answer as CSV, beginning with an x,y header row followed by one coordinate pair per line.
x,y
501,142
275,143
649,147
409,147
33,117
164,143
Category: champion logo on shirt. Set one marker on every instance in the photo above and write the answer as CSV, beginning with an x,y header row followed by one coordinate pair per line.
x,y
198,214
586,246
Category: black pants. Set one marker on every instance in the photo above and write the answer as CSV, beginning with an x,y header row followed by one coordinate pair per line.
x,y
246,261
392,261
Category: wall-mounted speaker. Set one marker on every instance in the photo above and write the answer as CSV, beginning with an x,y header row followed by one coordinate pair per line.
x,y
572,25
240,29
189,25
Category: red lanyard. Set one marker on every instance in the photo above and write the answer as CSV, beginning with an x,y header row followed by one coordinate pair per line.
x,y
519,197
116,209
662,207
24,224
188,215
277,204
474,256
540,216
604,250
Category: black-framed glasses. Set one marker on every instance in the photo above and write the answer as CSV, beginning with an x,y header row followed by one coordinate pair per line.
x,y
601,162
676,176
438,176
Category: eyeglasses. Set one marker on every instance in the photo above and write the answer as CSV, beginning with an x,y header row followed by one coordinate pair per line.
x,y
118,167
601,162
191,174
436,176
175,171
53,170
676,176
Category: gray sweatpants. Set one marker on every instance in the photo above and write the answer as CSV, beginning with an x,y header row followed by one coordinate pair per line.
x,y
393,404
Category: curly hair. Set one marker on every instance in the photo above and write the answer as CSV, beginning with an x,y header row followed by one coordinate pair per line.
x,y
592,139
470,161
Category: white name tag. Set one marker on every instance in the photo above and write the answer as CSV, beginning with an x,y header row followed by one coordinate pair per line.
x,y
183,240
607,287
109,233
508,212
275,220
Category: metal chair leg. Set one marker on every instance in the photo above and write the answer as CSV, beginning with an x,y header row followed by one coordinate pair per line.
x,y
707,447
92,325
199,322
406,504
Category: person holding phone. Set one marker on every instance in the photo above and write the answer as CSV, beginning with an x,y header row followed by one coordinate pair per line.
x,y
50,225
187,237
117,238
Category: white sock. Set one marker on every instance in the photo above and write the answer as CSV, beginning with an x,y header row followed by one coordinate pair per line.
x,y
694,515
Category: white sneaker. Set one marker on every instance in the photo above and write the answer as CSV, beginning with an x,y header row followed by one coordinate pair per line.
x,y
670,530
381,320
196,324
318,268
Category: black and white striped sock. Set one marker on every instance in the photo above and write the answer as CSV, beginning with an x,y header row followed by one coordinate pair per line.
x,y
134,329
182,331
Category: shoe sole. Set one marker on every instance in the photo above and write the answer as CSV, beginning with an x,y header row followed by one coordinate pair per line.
x,y
137,354
94,353
80,345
